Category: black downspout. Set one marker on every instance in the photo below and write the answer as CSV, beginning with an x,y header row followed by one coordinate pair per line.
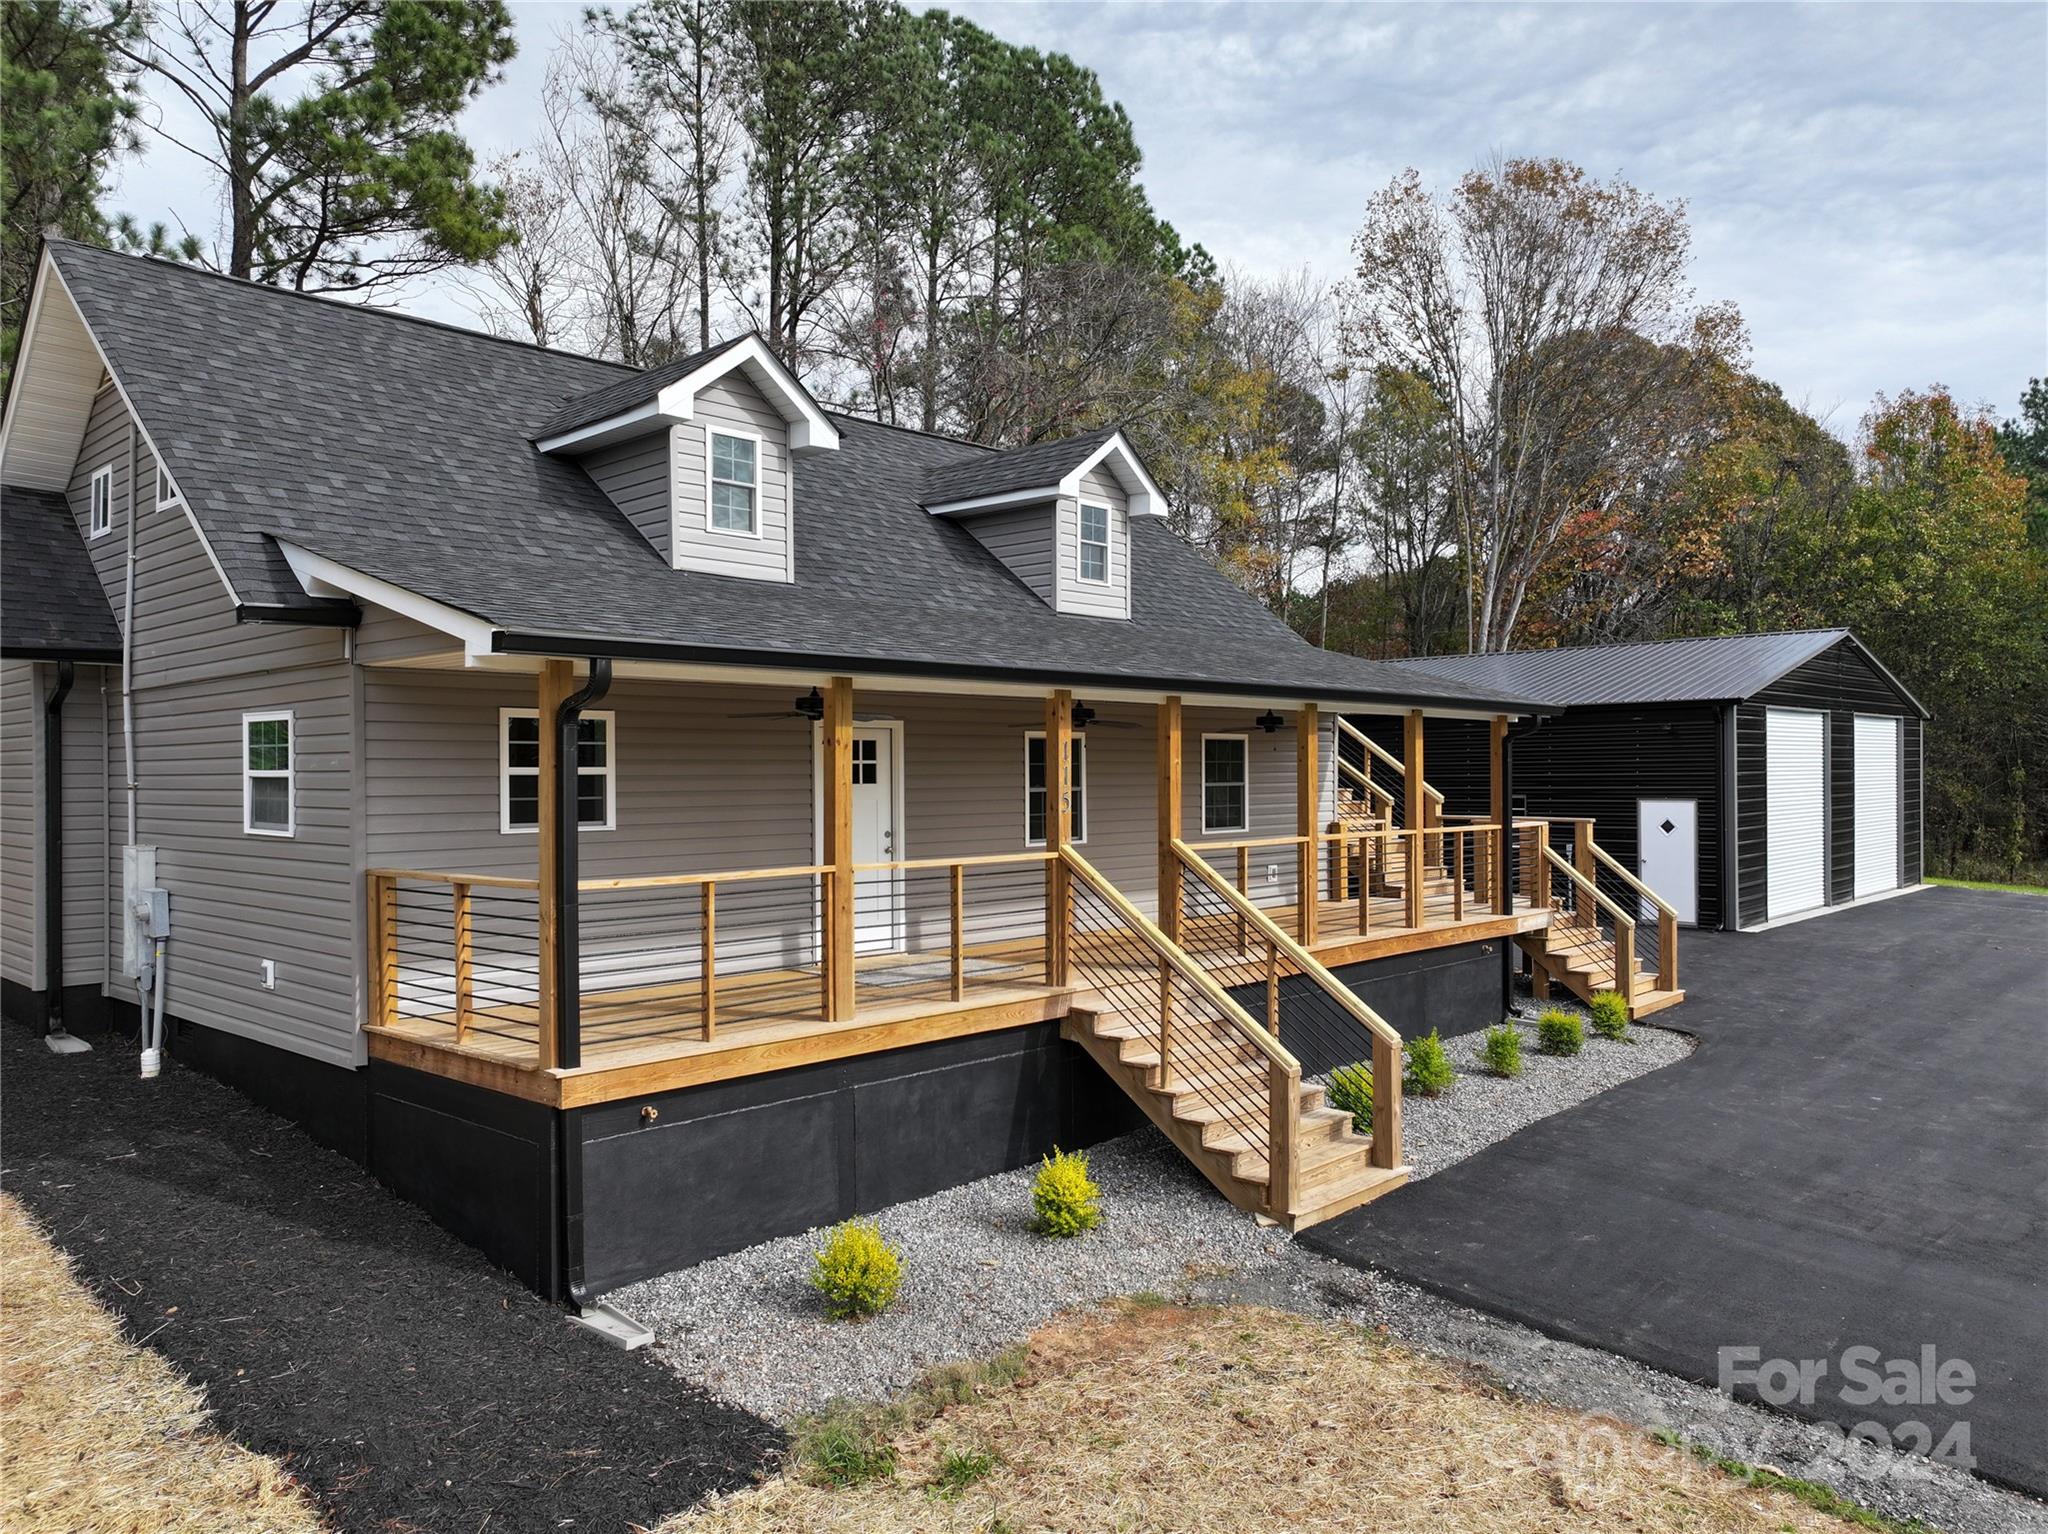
x,y
568,990
53,849
1511,955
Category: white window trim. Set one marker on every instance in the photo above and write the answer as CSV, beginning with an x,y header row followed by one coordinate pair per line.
x,y
1082,543
760,507
163,481
290,774
94,527
505,771
1080,838
1237,830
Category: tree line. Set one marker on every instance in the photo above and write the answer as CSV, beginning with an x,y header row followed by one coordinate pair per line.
x,y
1511,422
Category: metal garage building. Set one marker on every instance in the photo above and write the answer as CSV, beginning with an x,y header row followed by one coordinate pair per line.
x,y
1746,778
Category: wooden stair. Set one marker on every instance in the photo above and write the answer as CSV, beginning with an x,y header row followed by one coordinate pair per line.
x,y
1581,959
1335,1161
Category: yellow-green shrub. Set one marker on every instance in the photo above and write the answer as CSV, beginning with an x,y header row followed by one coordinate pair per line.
x,y
1065,1200
1429,1070
1560,1033
1610,1015
857,1271
1350,1089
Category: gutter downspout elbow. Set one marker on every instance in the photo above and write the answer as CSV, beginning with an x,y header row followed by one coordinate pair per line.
x,y
568,979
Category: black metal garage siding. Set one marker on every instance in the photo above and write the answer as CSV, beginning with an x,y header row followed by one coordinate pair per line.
x,y
1841,683
1596,762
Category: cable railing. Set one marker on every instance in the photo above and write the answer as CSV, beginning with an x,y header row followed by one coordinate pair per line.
x,y
1320,1020
1656,922
1208,1048
1372,800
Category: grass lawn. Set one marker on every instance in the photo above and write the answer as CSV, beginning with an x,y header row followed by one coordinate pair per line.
x,y
1147,1416
1979,884
106,1436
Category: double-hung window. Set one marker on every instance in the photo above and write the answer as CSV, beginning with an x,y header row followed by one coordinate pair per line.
x,y
735,484
1226,784
596,769
1036,801
100,518
268,787
1095,544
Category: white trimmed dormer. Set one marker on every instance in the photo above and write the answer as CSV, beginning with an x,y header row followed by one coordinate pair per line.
x,y
1058,514
699,455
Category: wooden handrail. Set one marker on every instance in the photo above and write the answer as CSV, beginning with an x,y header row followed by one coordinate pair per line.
x,y
1621,917
1277,936
1663,908
982,860
429,876
1667,920
1385,757
720,876
1182,962
1247,842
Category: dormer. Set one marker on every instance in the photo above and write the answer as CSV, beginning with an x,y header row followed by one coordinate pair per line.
x,y
1058,514
699,455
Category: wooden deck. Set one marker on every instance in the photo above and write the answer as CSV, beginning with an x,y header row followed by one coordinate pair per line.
x,y
651,1038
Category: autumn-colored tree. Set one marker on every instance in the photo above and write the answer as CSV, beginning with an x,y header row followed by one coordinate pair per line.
x,y
1551,313
2024,441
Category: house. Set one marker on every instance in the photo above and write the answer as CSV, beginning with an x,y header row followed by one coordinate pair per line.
x,y
640,813
1747,778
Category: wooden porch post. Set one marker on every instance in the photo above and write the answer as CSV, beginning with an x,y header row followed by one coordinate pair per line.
x,y
1308,744
1411,771
1059,830
838,920
1582,860
1503,839
1169,754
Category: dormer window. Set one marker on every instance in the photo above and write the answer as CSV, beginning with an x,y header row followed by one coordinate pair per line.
x,y
1095,544
735,483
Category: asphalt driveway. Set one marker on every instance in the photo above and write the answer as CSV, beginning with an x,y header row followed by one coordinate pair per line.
x,y
1855,1157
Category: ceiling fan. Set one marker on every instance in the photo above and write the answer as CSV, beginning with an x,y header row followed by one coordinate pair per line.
x,y
1084,716
810,706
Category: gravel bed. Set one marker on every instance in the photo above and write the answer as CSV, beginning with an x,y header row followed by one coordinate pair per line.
x,y
1480,1109
975,1279
1900,1485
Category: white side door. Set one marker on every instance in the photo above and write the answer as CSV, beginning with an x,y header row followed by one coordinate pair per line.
x,y
1668,855
1795,811
1877,804
878,894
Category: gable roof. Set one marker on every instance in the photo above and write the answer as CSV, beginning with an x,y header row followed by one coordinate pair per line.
x,y
404,450
1721,669
622,394
52,606
1033,467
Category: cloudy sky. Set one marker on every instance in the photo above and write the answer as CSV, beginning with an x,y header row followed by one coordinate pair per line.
x,y
1869,183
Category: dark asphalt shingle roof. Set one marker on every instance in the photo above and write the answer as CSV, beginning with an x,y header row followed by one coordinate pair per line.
x,y
1035,467
402,448
1714,670
622,394
51,601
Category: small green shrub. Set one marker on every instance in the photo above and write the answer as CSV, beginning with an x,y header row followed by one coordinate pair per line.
x,y
1064,1198
1610,1015
1560,1033
1501,1050
1429,1072
1350,1089
960,1469
844,1450
857,1271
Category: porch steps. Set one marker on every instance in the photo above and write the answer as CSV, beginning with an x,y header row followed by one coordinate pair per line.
x,y
1582,961
1197,1108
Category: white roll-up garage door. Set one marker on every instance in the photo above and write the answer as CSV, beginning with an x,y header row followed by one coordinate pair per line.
x,y
1877,804
1795,810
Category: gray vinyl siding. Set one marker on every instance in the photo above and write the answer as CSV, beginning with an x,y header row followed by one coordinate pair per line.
x,y
105,445
237,899
384,636
1023,540
86,798
21,825
733,402
635,475
1076,596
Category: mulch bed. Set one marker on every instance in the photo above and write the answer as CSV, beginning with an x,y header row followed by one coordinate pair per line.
x,y
404,1381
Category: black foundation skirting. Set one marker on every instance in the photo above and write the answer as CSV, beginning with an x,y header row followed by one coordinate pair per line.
x,y
1453,990
715,1168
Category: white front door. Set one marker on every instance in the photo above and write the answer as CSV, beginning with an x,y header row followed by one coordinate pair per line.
x,y
1795,811
877,895
1877,804
1668,855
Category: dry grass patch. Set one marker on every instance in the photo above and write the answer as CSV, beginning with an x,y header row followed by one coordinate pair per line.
x,y
1160,1418
103,1437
